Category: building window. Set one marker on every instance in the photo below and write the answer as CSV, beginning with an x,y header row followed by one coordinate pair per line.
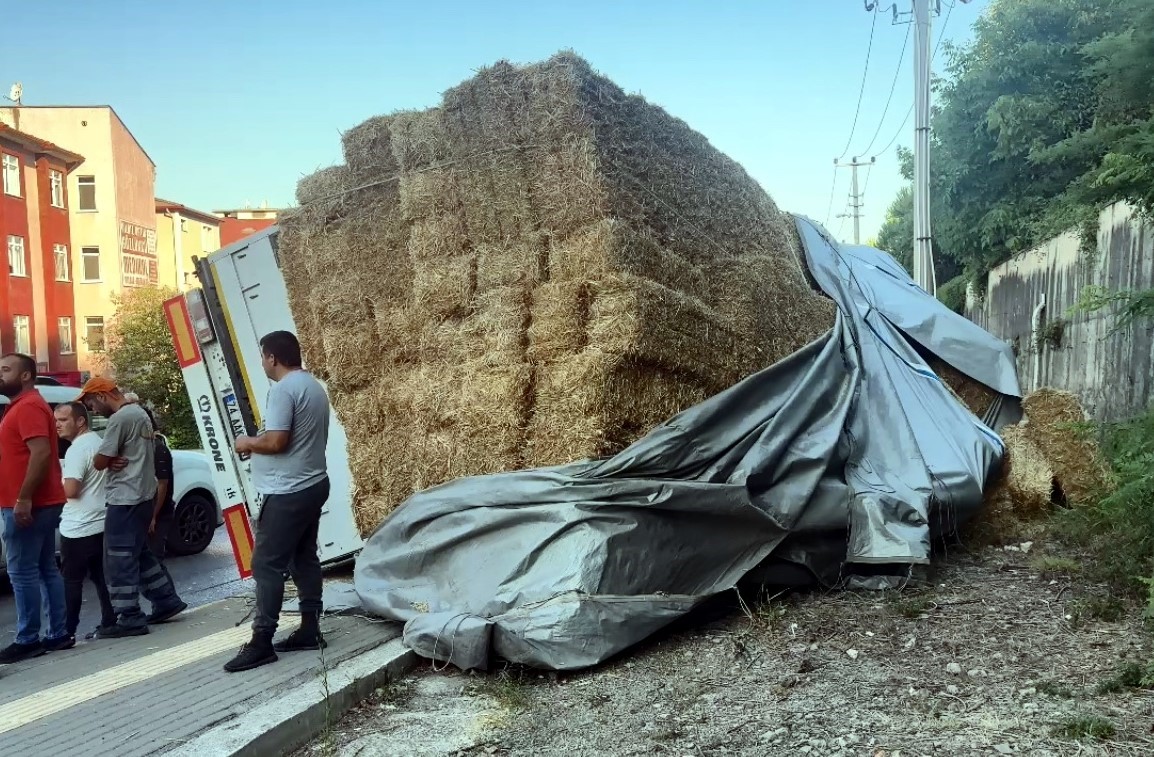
x,y
60,256
56,182
64,329
94,333
206,243
17,266
90,263
11,175
22,326
87,192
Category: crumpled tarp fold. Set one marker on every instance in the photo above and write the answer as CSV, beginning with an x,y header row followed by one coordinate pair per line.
x,y
849,452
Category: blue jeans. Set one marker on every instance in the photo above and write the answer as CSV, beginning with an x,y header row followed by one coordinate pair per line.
x,y
31,556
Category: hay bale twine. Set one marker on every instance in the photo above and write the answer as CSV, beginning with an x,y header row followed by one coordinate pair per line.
x,y
540,269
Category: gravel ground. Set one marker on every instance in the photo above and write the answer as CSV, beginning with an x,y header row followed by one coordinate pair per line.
x,y
1002,652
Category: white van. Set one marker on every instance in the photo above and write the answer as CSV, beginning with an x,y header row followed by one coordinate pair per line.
x,y
197,513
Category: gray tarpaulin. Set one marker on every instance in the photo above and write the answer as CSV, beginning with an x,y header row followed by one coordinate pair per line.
x,y
850,452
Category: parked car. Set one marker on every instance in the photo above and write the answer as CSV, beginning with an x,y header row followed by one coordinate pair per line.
x,y
198,512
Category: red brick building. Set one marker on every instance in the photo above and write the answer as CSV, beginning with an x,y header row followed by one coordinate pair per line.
x,y
37,315
237,224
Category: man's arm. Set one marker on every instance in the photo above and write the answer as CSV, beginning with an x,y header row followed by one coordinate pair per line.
x,y
39,453
278,425
268,443
164,476
110,445
72,488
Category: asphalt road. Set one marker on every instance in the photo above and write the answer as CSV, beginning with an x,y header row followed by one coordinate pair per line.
x,y
199,579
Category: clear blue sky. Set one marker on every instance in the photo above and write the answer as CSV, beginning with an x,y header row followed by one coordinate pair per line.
x,y
237,100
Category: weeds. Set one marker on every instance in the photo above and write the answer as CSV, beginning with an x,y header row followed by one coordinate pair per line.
x,y
1055,689
1086,727
1050,565
913,607
507,688
1107,609
1132,675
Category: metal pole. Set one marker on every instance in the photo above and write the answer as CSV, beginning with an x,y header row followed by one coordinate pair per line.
x,y
856,205
923,249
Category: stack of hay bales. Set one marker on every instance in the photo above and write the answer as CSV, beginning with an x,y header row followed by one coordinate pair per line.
x,y
1047,456
540,269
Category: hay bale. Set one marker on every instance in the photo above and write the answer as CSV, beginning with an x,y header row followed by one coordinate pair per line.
x,y
1020,494
1056,426
595,404
540,269
976,396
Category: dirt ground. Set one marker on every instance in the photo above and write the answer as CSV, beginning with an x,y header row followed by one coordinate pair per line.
x,y
1003,651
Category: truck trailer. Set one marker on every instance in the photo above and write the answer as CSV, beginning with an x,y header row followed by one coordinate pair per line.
x,y
216,330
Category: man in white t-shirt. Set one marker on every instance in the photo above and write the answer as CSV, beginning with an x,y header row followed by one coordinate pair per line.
x,y
82,521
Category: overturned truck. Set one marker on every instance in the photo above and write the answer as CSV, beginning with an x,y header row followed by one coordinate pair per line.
x,y
591,375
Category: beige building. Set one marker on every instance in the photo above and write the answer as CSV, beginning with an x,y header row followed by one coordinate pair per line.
x,y
182,234
112,210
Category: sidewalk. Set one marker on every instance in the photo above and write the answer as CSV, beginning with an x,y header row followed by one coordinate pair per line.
x,y
152,694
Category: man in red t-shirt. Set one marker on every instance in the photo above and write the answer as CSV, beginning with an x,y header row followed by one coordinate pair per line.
x,y
31,500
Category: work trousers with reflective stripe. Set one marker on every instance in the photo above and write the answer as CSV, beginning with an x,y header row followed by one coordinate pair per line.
x,y
131,568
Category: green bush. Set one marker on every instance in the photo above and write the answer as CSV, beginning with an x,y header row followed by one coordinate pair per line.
x,y
953,294
1119,529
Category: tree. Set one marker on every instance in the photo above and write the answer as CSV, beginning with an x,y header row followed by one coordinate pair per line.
x,y
1043,118
139,352
897,238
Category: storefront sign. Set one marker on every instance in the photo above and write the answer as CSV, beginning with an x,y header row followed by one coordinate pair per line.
x,y
138,255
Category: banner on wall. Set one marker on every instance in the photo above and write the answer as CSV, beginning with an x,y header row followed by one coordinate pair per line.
x,y
138,255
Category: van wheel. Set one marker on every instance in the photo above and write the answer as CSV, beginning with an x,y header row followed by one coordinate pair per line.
x,y
193,525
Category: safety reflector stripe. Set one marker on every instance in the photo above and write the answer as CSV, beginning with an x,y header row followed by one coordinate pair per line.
x,y
240,532
180,326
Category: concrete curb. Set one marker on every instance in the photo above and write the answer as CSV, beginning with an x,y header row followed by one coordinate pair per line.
x,y
292,718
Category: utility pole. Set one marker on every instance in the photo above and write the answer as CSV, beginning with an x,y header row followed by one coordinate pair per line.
x,y
855,197
923,239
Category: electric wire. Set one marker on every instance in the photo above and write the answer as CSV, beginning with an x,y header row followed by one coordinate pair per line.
x,y
861,90
910,112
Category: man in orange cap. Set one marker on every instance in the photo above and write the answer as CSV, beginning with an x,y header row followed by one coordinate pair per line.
x,y
126,453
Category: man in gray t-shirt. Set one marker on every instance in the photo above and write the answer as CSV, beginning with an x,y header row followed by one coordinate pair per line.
x,y
126,454
290,472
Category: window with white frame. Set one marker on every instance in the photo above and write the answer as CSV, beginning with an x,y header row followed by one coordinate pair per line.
x,y
86,192
17,264
94,332
22,325
60,257
90,264
11,167
64,332
56,183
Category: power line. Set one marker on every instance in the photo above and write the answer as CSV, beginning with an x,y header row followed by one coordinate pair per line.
x,y
893,88
864,74
832,192
910,112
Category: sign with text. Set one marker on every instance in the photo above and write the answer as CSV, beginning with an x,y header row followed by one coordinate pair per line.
x,y
138,255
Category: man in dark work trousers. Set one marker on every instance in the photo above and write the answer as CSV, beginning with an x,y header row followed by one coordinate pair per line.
x,y
290,472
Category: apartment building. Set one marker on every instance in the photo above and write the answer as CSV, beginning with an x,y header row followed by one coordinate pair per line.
x,y
182,234
112,215
239,223
37,316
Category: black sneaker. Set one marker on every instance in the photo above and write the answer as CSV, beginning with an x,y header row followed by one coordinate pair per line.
x,y
95,633
21,652
300,641
67,641
120,632
162,616
251,656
